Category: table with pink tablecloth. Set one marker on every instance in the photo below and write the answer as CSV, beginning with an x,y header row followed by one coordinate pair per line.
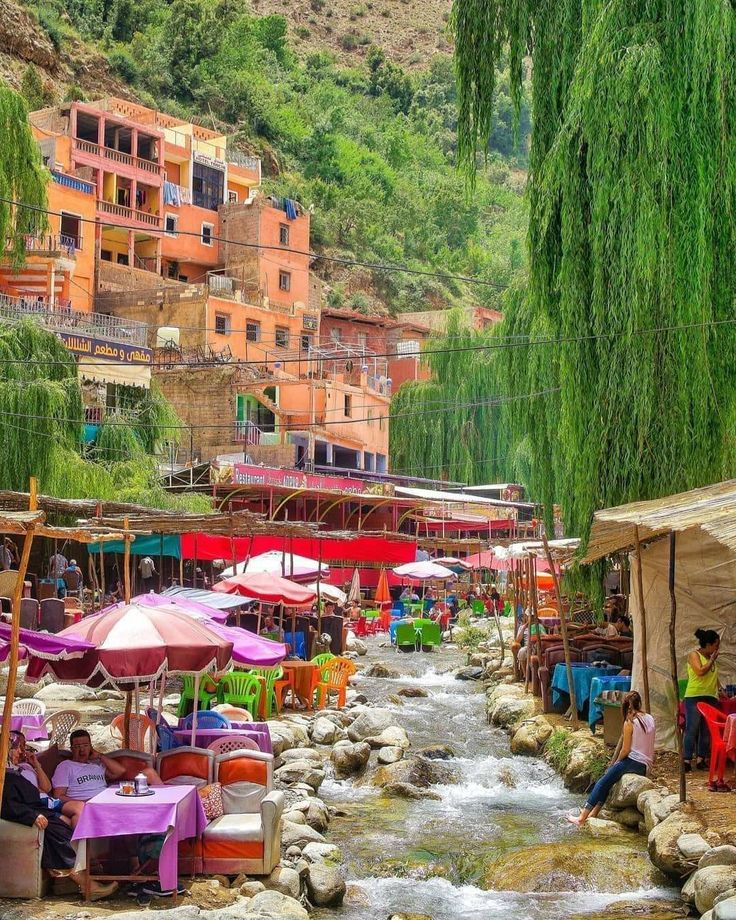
x,y
31,726
729,733
175,811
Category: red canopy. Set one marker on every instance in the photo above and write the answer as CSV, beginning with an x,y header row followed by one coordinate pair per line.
x,y
134,643
270,589
205,548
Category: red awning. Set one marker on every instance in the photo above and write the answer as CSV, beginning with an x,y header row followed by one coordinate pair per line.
x,y
205,548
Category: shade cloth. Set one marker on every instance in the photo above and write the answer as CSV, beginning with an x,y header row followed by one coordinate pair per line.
x,y
214,599
582,678
597,686
31,726
270,589
184,603
423,571
144,545
136,643
46,646
274,562
362,549
175,811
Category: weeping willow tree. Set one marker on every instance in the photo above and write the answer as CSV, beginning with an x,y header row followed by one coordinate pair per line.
x,y
22,176
632,194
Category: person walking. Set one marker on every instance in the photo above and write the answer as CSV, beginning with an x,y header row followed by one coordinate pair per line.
x,y
702,687
147,570
634,754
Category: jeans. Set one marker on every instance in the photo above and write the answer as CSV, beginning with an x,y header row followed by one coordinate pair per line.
x,y
695,727
609,779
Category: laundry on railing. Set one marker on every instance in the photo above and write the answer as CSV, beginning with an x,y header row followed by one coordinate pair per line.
x,y
172,194
290,207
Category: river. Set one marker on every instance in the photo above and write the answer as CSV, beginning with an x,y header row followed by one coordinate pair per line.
x,y
496,844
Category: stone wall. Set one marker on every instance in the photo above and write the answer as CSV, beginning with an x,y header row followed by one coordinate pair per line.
x,y
183,306
112,277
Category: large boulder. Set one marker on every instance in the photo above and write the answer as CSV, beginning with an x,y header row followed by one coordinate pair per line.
x,y
301,754
628,817
711,881
410,791
657,808
390,754
531,736
509,710
627,790
718,856
693,846
300,771
393,736
662,842
269,905
599,827
284,880
413,692
379,669
472,672
417,771
356,645
326,731
436,752
325,885
65,693
314,812
725,910
350,758
584,750
370,723
298,835
322,852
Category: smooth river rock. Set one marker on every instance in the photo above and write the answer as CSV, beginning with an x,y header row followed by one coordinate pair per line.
x,y
300,771
509,710
708,883
325,885
298,835
410,791
417,771
693,846
393,736
718,856
370,723
379,669
725,910
413,692
326,731
627,791
284,880
350,758
390,754
662,843
531,736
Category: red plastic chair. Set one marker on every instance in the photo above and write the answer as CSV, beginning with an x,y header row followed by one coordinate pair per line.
x,y
716,722
361,627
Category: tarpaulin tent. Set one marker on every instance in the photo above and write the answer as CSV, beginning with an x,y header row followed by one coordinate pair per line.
x,y
205,547
144,545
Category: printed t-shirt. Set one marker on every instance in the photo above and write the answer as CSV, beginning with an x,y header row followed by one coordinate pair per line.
x,y
82,780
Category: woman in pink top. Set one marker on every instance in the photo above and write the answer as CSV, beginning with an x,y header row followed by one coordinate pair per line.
x,y
634,754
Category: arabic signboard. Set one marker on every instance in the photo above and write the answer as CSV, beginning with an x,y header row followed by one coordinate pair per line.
x,y
105,351
246,474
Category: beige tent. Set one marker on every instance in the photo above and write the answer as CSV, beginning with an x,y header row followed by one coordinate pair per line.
x,y
704,524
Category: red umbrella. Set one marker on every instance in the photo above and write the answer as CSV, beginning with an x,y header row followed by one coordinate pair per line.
x,y
135,644
269,589
383,595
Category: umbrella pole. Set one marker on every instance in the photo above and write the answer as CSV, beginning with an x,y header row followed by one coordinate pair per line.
x,y
126,719
102,573
126,561
643,631
319,595
260,614
673,663
193,738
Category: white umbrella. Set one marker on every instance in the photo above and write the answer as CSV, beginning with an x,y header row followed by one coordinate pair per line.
x,y
329,592
423,571
271,563
354,590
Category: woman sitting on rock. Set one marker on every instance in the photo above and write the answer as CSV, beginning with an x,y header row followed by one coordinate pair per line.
x,y
634,754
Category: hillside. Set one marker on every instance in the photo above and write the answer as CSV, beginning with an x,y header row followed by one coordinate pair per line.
x,y
370,147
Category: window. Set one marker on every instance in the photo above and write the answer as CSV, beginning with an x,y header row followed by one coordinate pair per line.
x,y
207,234
284,281
208,186
184,278
348,405
222,323
306,341
171,224
252,331
407,347
122,258
370,416
232,197
381,422
284,234
363,340
172,270
71,228
106,255
282,337
336,335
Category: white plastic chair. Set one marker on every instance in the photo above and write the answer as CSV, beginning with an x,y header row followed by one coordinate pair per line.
x,y
29,708
234,743
60,725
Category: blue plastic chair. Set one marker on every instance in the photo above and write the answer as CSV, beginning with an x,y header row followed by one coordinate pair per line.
x,y
207,718
298,645
399,605
167,740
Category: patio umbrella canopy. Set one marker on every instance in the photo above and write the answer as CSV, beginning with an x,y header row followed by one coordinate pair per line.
x,y
423,571
206,613
46,646
383,595
269,589
329,592
290,565
354,591
134,643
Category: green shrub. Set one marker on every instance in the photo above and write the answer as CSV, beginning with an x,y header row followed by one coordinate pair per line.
x,y
348,41
302,32
558,750
598,763
52,25
124,65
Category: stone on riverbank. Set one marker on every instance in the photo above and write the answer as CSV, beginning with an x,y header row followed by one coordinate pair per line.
x,y
251,887
393,736
472,672
410,791
436,752
301,754
662,842
693,846
65,692
314,811
298,835
725,910
370,723
300,771
390,754
413,692
322,852
326,731
531,736
325,885
599,827
627,791
509,710
284,880
629,817
356,645
265,905
350,758
718,856
379,669
417,771
708,883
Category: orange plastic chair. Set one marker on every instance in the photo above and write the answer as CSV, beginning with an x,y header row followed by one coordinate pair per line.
x,y
335,676
280,688
142,732
716,722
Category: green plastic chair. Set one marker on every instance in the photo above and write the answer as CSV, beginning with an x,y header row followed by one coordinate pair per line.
x,y
416,609
322,659
429,634
268,678
406,637
478,608
371,614
239,688
206,697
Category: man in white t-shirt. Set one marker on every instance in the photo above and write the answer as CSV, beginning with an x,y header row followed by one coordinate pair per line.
x,y
147,570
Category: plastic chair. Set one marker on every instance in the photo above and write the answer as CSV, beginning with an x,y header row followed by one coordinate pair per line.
x,y
429,635
29,708
297,643
406,637
234,743
335,676
60,724
234,713
682,687
52,615
239,688
478,608
398,606
268,677
167,740
322,659
716,722
207,694
73,582
207,718
361,627
143,735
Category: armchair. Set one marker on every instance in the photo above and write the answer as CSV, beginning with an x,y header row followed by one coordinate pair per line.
x,y
22,875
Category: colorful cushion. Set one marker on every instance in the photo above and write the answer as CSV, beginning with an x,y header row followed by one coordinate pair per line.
x,y
211,798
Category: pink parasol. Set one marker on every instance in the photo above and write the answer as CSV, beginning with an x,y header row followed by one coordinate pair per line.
x,y
46,646
269,589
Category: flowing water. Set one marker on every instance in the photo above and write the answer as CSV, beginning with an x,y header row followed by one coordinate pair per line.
x,y
496,844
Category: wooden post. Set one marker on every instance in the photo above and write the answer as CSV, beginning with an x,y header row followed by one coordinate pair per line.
x,y
673,663
528,670
15,643
181,566
319,596
160,562
644,654
563,630
102,570
126,561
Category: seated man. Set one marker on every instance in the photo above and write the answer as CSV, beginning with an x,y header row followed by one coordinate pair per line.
x,y
88,772
27,764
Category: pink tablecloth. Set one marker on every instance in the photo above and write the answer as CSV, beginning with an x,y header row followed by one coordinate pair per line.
x,y
31,726
729,733
172,810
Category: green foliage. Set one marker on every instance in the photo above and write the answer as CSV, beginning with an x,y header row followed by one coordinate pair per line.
x,y
123,63
632,189
33,90
558,750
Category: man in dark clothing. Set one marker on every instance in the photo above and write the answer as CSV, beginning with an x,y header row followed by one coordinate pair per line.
x,y
22,804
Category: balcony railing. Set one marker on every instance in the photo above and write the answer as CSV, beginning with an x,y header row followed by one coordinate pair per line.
x,y
120,210
242,159
53,244
64,319
117,156
93,415
247,432
78,185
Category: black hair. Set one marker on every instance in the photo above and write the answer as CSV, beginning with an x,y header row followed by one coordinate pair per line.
x,y
79,733
622,618
706,637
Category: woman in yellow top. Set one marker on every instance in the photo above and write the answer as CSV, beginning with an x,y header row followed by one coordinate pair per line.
x,y
702,687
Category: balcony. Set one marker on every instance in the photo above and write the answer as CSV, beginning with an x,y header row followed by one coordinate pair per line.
x,y
128,214
117,156
52,245
64,319
79,185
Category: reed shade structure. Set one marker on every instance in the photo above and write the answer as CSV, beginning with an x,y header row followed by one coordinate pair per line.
x,y
684,566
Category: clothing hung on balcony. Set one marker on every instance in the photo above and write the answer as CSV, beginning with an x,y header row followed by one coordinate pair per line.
x,y
172,194
291,209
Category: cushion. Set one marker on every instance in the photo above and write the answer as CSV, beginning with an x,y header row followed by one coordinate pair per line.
x,y
236,828
243,769
211,798
187,781
242,799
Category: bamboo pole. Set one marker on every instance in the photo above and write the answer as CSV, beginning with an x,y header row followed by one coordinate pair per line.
x,y
673,663
102,569
563,630
126,596
640,587
319,580
528,670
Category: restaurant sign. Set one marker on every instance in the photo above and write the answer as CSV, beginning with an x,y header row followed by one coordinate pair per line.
x,y
102,350
245,474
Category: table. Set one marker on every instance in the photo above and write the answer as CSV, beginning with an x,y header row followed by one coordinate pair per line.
x,y
31,726
258,731
597,686
303,674
175,811
582,676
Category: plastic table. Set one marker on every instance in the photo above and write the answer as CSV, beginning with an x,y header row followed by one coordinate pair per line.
x,y
258,731
31,726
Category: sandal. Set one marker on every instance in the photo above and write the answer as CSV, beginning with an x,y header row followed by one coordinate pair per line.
x,y
700,764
